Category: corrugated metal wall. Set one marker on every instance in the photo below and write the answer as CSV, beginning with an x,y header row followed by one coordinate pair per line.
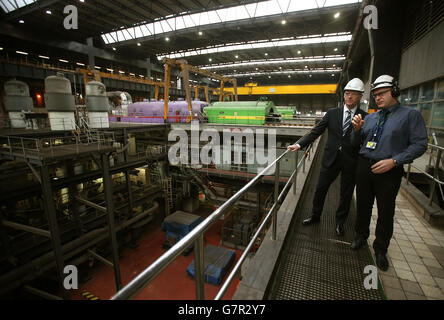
x,y
423,61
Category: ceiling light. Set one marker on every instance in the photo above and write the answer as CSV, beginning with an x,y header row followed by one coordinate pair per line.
x,y
132,74
82,0
306,67
334,65
337,15
280,67
283,21
1,48
44,57
21,52
138,43
269,77
80,64
299,51
289,76
120,71
200,33
62,60
48,12
266,54
114,49
336,49
21,21
210,59
332,75
236,56
310,75
97,67
110,70
143,76
167,39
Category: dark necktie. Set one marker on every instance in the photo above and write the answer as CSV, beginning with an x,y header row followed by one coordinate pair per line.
x,y
384,114
347,123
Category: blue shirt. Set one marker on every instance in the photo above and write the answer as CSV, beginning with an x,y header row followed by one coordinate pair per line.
x,y
404,137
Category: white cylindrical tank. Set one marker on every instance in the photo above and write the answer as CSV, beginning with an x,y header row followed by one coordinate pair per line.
x,y
97,105
59,102
17,100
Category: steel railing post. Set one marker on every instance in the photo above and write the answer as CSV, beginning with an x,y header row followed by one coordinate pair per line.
x,y
296,171
435,176
276,195
431,155
199,268
10,146
409,168
23,146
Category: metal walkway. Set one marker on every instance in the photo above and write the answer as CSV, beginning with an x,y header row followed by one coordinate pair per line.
x,y
315,264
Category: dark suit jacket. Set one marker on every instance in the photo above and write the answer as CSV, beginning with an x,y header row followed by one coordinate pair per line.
x,y
333,121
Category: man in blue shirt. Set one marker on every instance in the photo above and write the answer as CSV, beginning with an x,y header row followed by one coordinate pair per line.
x,y
388,139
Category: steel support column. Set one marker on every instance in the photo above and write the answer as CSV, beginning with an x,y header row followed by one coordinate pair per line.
x,y
72,193
221,93
186,84
127,175
199,268
53,227
166,89
108,189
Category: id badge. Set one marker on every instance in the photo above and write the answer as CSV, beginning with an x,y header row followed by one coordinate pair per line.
x,y
371,145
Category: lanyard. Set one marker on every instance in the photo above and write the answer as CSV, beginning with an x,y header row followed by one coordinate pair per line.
x,y
379,127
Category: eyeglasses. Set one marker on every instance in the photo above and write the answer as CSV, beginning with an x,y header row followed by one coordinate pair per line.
x,y
375,95
353,94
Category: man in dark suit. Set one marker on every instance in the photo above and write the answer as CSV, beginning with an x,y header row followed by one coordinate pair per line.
x,y
339,155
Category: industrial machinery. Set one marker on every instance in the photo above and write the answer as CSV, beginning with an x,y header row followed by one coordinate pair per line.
x,y
286,112
17,101
97,105
59,102
153,112
178,225
245,112
118,102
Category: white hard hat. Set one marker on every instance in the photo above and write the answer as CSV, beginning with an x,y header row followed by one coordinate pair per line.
x,y
383,82
355,85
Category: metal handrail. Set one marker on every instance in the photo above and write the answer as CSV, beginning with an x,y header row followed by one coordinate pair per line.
x,y
196,236
39,145
434,178
230,278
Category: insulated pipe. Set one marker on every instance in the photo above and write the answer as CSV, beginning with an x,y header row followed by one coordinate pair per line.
x,y
69,250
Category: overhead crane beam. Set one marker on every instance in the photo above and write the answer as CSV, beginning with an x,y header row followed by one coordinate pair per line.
x,y
284,89
186,68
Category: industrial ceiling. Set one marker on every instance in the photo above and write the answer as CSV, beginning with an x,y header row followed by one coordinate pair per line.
x,y
269,42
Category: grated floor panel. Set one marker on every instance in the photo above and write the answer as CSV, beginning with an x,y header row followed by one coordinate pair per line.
x,y
315,263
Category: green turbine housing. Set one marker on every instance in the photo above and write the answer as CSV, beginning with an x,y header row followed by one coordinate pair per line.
x,y
242,112
286,112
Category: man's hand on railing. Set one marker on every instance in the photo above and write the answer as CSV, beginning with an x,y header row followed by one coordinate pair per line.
x,y
294,148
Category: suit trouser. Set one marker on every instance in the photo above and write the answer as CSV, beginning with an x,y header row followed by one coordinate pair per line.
x,y
385,188
326,177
